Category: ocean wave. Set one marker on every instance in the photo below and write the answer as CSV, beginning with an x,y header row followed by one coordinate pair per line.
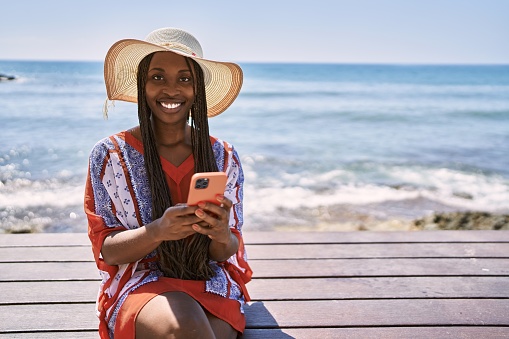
x,y
284,198
318,141
24,193
367,183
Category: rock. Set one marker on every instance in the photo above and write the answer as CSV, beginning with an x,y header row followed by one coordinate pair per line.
x,y
463,195
6,77
463,221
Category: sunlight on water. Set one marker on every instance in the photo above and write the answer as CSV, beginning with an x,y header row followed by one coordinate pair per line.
x,y
319,143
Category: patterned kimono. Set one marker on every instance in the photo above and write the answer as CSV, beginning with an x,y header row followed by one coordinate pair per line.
x,y
117,197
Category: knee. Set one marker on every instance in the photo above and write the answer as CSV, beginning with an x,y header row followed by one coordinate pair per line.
x,y
190,326
173,316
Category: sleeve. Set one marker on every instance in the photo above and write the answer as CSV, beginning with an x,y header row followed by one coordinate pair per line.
x,y
98,206
235,192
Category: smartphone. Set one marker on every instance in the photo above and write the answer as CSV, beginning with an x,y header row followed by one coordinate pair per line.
x,y
205,187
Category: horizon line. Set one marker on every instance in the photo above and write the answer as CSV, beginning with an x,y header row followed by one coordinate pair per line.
x,y
379,63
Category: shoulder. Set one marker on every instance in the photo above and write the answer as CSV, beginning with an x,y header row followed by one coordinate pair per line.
x,y
102,147
225,154
223,150
221,145
111,141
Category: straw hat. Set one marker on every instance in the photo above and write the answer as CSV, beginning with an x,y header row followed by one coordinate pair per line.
x,y
223,80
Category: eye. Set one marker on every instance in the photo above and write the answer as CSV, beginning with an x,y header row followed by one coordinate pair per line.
x,y
157,77
186,79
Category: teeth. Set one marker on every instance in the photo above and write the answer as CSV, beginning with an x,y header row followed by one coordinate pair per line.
x,y
170,105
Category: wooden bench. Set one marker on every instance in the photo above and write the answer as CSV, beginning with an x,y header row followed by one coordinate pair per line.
x,y
428,284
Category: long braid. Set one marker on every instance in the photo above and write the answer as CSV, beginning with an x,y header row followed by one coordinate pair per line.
x,y
205,160
160,192
186,258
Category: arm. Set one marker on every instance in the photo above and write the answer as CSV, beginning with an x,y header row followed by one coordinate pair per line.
x,y
226,217
128,246
222,251
114,228
223,243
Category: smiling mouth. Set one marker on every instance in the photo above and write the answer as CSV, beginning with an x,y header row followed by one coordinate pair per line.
x,y
170,105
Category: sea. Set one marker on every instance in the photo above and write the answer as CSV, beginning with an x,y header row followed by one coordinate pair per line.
x,y
322,145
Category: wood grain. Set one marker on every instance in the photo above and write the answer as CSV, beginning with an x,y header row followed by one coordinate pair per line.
x,y
436,284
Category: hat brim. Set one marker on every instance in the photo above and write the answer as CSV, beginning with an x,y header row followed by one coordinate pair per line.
x,y
223,80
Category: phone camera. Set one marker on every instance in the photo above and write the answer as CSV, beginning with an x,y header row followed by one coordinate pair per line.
x,y
202,183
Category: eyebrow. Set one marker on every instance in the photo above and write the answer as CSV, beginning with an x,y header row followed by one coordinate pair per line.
x,y
162,70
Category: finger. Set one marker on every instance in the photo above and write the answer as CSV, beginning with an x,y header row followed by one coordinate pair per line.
x,y
216,228
214,233
181,233
221,212
204,216
180,210
224,201
187,231
190,219
203,228
203,224
215,215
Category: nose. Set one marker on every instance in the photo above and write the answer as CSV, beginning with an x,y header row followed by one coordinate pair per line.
x,y
170,88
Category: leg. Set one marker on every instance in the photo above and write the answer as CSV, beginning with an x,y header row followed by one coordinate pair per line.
x,y
173,315
221,328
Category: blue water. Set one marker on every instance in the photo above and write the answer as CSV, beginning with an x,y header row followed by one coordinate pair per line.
x,y
320,143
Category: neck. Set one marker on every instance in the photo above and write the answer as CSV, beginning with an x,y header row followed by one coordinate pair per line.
x,y
170,135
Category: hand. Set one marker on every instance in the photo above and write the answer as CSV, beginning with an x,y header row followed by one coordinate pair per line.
x,y
177,222
214,220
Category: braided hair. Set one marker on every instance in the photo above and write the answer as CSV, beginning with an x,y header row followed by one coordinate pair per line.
x,y
185,258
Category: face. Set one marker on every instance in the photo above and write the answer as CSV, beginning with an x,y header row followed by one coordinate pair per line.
x,y
170,88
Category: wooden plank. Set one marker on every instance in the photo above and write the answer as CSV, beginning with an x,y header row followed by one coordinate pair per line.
x,y
44,239
379,267
42,254
255,252
55,335
401,312
450,250
345,297
286,289
254,237
379,288
66,317
48,271
258,237
459,332
287,268
37,292
289,314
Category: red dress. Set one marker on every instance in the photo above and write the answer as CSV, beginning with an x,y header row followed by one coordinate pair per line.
x,y
117,197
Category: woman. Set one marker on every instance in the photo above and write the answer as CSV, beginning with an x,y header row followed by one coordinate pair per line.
x,y
168,269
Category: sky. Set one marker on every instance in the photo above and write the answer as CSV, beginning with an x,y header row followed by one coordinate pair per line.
x,y
318,31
